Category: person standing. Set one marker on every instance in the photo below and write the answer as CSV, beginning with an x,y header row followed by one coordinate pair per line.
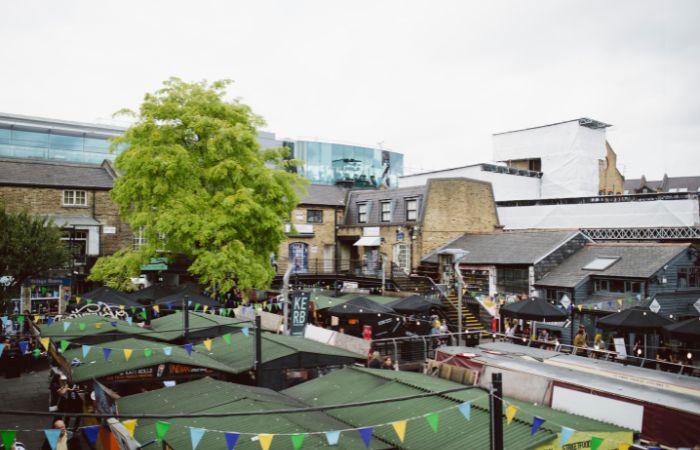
x,y
376,361
580,342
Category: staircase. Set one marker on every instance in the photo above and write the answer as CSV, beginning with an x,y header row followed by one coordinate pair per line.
x,y
408,283
470,320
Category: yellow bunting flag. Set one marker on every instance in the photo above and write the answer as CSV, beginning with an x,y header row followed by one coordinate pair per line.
x,y
127,353
36,318
77,300
122,307
156,308
510,413
207,344
580,308
265,441
45,343
400,428
130,426
98,325
205,308
623,447
619,301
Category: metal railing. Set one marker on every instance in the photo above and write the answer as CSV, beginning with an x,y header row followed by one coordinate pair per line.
x,y
324,266
412,349
687,368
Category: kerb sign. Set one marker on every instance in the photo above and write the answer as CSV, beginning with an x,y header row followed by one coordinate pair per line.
x,y
300,312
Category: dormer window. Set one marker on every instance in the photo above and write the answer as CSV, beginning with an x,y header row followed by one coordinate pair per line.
x,y
362,212
386,211
411,209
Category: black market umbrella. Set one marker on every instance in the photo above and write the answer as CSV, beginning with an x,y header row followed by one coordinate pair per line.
x,y
534,309
153,292
686,330
414,304
637,319
175,300
358,306
110,296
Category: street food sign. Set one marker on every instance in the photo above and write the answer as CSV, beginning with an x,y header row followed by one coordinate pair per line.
x,y
300,312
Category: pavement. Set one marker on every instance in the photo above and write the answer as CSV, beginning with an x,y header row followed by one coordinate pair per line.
x,y
28,392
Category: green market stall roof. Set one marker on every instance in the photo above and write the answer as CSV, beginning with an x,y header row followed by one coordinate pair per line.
x,y
91,328
95,365
353,384
170,327
240,354
208,395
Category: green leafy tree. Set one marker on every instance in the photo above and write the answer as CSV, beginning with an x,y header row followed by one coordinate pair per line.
x,y
197,184
29,246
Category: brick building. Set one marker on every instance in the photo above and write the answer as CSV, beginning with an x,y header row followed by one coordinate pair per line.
x,y
76,198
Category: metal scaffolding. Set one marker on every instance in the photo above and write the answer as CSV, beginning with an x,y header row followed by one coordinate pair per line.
x,y
642,234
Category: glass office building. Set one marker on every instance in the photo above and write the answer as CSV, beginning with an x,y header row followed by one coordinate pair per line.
x,y
326,163
57,140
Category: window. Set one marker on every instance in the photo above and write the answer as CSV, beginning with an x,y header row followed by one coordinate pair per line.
x,y
314,216
617,286
139,239
600,263
688,277
362,212
512,281
76,242
74,198
386,211
412,209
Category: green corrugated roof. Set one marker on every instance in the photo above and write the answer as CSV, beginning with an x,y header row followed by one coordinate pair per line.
x,y
218,396
95,366
170,327
56,333
240,354
355,384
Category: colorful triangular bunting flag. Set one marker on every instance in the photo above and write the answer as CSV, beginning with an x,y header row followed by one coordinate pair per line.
x,y
168,351
432,420
64,345
65,326
227,338
8,438
52,436
566,434
511,410
106,352
127,353
595,442
231,439
245,331
207,344
196,435
400,429
297,440
332,437
188,348
161,429
536,424
466,410
366,434
86,350
130,426
91,433
45,343
265,441
147,352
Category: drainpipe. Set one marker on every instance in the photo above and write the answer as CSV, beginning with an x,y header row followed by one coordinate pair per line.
x,y
460,287
285,296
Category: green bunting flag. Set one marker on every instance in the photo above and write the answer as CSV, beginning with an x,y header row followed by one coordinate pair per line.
x,y
297,441
8,437
64,346
147,352
595,442
20,319
227,338
433,421
161,429
82,327
133,310
144,315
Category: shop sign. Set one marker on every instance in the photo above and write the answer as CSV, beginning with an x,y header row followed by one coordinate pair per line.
x,y
48,281
300,312
95,309
158,372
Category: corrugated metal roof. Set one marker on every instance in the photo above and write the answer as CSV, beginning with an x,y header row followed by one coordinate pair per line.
x,y
95,366
454,432
239,356
218,396
324,299
635,261
170,327
56,332
510,247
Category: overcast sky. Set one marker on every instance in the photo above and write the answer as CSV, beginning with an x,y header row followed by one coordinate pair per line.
x,y
432,80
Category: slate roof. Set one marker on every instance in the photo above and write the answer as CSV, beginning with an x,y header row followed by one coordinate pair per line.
x,y
323,195
636,261
373,197
510,247
691,183
20,172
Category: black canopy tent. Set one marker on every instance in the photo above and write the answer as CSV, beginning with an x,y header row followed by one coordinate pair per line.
x,y
687,330
175,300
414,304
110,296
535,309
361,311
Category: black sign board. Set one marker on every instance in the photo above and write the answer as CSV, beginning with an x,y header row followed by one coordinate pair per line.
x,y
300,312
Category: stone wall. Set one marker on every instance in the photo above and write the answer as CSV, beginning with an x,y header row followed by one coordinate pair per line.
x,y
323,235
610,179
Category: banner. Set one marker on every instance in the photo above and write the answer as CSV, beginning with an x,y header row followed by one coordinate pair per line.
x,y
300,312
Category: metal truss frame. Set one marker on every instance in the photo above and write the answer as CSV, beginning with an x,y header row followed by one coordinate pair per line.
x,y
642,234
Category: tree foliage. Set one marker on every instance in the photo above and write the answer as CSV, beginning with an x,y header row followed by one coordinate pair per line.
x,y
29,246
196,183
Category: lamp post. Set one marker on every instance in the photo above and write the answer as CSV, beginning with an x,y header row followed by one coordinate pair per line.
x,y
460,286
